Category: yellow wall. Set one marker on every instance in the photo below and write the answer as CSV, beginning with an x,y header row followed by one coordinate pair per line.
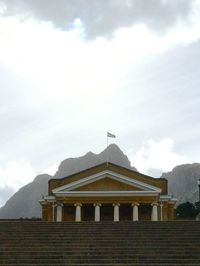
x,y
106,184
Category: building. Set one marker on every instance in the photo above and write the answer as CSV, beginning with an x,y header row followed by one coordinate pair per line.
x,y
108,192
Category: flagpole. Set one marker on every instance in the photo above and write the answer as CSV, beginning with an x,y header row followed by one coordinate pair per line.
x,y
109,135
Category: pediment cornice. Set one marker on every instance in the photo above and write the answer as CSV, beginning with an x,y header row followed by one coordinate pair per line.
x,y
70,187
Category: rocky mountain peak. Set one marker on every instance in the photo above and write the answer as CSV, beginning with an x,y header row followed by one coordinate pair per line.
x,y
40,177
182,182
25,202
111,154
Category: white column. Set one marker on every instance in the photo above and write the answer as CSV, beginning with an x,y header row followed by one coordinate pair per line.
x,y
135,211
78,212
59,213
116,212
154,215
97,212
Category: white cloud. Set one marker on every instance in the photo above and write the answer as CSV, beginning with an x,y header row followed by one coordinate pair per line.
x,y
64,69
157,157
52,59
51,170
13,176
2,8
72,86
16,174
102,18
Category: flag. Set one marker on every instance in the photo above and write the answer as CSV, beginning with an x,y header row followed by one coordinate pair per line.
x,y
109,135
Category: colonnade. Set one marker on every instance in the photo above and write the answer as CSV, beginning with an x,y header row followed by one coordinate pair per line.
x,y
97,210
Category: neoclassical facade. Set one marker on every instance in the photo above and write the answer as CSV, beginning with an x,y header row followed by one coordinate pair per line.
x,y
108,192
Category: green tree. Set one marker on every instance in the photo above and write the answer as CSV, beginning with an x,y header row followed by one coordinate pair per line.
x,y
186,210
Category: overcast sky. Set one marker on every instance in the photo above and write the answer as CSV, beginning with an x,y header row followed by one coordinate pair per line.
x,y
72,70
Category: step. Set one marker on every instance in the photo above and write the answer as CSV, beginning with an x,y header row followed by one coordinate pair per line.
x,y
106,243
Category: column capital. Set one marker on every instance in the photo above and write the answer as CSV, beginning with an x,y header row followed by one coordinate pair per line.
x,y
60,204
154,204
116,204
135,204
54,205
78,204
97,204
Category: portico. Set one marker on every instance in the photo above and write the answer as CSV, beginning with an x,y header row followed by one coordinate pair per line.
x,y
102,212
107,192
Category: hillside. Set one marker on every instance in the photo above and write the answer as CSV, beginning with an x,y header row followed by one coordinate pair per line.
x,y
74,165
24,203
182,181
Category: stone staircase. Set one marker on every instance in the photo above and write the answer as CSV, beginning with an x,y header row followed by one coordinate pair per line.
x,y
104,243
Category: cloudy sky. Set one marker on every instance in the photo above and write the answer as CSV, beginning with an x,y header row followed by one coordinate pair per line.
x,y
72,70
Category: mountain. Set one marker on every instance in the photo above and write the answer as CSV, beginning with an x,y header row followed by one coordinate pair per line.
x,y
112,154
24,203
182,182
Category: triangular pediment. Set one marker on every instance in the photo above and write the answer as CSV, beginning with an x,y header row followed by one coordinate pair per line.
x,y
106,181
107,184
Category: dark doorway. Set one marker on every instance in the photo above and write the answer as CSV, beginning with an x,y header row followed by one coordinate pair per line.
x,y
88,212
145,212
125,212
106,212
69,213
